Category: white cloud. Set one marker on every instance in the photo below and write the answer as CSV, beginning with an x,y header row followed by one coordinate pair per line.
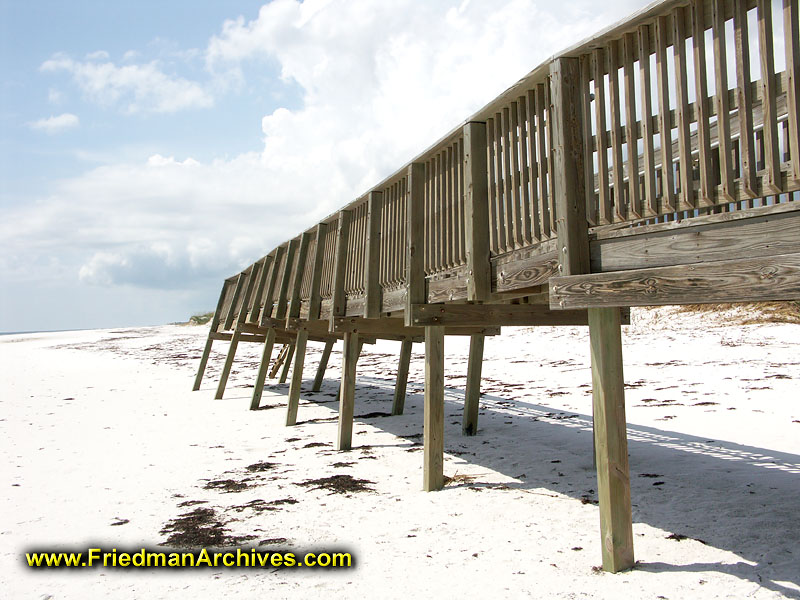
x,y
55,96
138,88
98,55
56,124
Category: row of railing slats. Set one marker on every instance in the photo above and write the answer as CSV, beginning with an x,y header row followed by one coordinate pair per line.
x,y
658,145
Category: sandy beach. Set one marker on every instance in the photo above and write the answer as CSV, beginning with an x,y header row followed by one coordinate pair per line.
x,y
104,444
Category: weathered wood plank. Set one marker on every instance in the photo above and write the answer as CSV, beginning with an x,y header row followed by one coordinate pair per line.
x,y
611,444
433,419
765,235
472,392
397,327
568,155
488,315
526,273
749,280
399,400
476,188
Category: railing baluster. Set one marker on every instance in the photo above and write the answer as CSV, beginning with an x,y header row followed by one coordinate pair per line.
x,y
651,201
791,38
664,123
533,165
620,208
744,99
726,166
772,156
604,206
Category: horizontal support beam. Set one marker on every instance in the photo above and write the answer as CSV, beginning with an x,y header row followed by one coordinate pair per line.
x,y
242,338
395,327
486,315
750,280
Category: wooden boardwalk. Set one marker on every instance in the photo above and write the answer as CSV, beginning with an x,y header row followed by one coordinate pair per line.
x,y
646,165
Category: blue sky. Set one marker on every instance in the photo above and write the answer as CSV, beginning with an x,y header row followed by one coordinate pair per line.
x,y
149,149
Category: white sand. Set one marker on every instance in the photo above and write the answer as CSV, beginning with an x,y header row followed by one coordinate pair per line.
x,y
100,426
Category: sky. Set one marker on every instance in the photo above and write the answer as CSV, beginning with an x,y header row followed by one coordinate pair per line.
x,y
150,149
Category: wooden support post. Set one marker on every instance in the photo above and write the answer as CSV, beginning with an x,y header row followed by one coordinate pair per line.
x,y
347,391
416,293
226,368
273,372
262,369
201,369
611,443
287,363
472,394
570,200
372,286
323,364
433,427
297,377
358,355
402,378
476,210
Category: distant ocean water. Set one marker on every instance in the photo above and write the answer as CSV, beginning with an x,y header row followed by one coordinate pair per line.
x,y
42,331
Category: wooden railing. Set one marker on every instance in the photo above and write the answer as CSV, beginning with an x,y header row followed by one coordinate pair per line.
x,y
673,85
